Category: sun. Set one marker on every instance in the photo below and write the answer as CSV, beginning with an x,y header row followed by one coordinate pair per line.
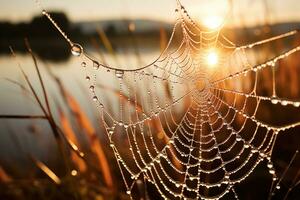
x,y
213,22
212,58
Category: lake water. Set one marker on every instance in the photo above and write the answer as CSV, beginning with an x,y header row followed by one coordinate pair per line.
x,y
36,134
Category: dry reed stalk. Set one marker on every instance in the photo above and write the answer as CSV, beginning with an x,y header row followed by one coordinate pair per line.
x,y
69,133
48,116
47,171
22,117
4,177
96,145
107,44
99,51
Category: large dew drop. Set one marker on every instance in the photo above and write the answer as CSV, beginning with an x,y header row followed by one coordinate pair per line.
x,y
76,50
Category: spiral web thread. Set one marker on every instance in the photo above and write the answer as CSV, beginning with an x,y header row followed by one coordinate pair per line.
x,y
190,130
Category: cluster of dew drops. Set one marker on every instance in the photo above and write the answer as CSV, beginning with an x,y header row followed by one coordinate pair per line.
x,y
77,50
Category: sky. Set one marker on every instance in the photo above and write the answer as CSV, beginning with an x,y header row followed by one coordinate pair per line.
x,y
244,11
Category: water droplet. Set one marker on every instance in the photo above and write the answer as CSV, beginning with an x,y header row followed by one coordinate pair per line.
x,y
272,171
95,98
274,100
76,50
96,65
270,165
83,64
253,150
128,192
261,154
92,88
284,103
74,172
87,78
44,12
296,104
277,187
119,74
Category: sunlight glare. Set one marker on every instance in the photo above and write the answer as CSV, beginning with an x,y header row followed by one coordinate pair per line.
x,y
213,22
212,58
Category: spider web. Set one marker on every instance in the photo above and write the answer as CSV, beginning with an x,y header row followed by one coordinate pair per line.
x,y
187,128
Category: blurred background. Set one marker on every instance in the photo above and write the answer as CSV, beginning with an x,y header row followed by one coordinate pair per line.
x,y
119,32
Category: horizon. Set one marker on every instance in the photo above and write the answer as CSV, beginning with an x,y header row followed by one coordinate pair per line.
x,y
271,13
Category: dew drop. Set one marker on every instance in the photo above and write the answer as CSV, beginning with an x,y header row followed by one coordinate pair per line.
x,y
87,78
119,74
92,88
296,104
76,50
284,103
277,187
253,150
128,192
74,172
274,100
270,165
262,155
83,64
272,171
96,65
44,12
95,98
